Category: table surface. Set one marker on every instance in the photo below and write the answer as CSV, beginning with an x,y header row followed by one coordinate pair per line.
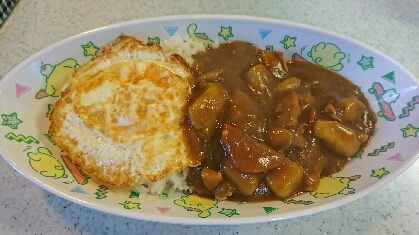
x,y
390,26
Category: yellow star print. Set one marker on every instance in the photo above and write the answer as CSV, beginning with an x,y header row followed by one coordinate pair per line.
x,y
90,49
130,205
288,41
226,32
379,173
410,130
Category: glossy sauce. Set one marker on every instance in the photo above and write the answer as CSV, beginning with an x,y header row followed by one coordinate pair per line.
x,y
256,110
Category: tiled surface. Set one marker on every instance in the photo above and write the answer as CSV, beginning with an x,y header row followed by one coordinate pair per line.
x,y
6,8
390,26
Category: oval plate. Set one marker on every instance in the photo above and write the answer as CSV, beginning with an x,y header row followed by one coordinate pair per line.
x,y
26,99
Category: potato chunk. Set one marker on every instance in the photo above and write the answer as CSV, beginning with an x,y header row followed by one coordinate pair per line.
x,y
274,62
362,137
212,76
211,178
285,179
281,138
338,137
288,109
261,82
288,84
244,184
205,112
352,108
224,190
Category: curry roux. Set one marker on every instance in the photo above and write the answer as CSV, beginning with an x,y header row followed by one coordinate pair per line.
x,y
286,107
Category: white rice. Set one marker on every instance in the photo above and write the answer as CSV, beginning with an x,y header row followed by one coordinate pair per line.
x,y
185,47
173,182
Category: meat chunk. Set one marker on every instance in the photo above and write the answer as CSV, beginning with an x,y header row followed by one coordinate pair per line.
x,y
330,110
312,160
245,114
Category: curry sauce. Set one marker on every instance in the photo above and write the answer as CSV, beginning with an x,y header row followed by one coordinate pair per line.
x,y
266,129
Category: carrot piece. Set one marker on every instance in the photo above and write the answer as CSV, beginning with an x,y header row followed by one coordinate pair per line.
x,y
246,153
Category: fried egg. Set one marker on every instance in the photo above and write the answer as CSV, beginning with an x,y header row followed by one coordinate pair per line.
x,y
122,115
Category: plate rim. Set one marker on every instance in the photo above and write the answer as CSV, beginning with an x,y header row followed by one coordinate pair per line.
x,y
207,221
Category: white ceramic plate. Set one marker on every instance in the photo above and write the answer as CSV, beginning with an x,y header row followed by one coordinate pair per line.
x,y
26,97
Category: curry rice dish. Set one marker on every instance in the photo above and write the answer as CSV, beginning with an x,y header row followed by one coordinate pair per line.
x,y
236,122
